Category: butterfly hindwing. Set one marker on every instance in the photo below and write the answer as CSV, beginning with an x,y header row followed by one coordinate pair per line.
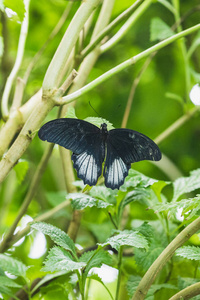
x,y
88,164
72,134
115,169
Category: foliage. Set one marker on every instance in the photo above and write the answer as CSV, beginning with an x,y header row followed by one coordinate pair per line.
x,y
145,236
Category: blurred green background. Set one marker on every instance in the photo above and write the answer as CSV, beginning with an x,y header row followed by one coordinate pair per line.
x,y
152,112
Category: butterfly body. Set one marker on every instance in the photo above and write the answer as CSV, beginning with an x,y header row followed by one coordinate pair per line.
x,y
91,146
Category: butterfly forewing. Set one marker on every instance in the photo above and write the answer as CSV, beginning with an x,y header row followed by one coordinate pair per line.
x,y
133,146
73,134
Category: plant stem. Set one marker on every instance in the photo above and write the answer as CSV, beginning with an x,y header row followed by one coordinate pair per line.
x,y
41,218
109,28
128,24
187,293
120,254
52,76
163,258
133,89
125,64
20,53
183,49
31,192
178,123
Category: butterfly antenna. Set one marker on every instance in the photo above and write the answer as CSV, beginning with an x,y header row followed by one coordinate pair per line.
x,y
94,110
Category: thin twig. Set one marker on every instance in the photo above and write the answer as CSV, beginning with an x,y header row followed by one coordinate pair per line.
x,y
71,97
43,217
31,192
18,61
178,123
133,89
109,28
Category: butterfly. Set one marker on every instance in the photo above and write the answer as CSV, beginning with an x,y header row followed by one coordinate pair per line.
x,y
92,145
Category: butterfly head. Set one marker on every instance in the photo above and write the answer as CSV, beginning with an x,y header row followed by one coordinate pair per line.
x,y
104,128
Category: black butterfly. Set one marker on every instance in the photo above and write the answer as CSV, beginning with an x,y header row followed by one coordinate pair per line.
x,y
90,145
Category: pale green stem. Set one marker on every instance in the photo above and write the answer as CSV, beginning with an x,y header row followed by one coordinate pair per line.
x,y
108,28
71,97
20,53
178,123
124,29
188,293
52,76
183,49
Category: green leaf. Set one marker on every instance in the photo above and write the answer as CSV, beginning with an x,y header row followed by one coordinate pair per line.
x,y
189,252
138,194
5,281
71,113
127,238
186,184
103,193
158,186
137,179
57,235
159,30
147,231
97,278
59,259
81,201
1,5
144,259
55,198
95,259
98,121
48,278
21,169
133,282
17,6
190,206
12,265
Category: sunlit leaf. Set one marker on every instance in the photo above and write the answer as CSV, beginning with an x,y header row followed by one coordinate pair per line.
x,y
127,238
159,30
98,121
137,179
21,169
60,259
57,235
5,281
189,252
186,184
71,112
17,6
189,207
81,201
12,265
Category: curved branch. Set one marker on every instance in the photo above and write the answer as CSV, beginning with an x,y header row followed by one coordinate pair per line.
x,y
125,64
187,293
164,257
20,53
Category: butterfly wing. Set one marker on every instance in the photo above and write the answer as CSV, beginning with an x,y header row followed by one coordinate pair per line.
x,y
83,139
126,146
